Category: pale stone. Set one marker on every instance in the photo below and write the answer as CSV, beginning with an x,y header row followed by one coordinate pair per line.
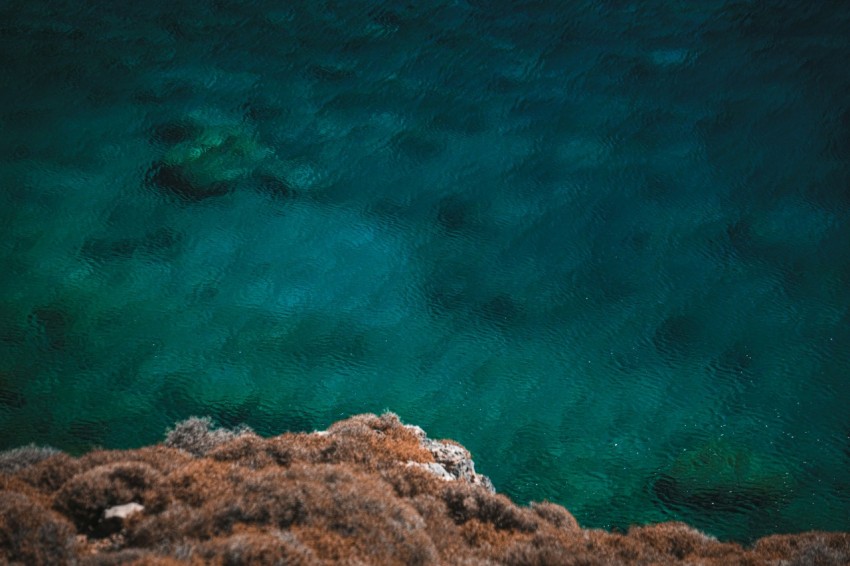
x,y
123,511
436,469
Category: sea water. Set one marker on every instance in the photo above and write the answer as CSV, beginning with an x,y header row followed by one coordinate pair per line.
x,y
603,244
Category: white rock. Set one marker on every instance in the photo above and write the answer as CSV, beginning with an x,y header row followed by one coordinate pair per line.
x,y
436,469
123,511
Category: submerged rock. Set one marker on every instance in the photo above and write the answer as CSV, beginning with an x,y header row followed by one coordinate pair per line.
x,y
201,162
720,476
369,490
181,181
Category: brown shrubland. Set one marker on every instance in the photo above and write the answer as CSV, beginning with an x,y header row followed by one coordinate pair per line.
x,y
354,494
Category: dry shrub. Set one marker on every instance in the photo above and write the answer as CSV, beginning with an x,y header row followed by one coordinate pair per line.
x,y
204,479
127,557
197,436
541,550
488,540
49,474
14,484
362,509
369,441
347,505
301,448
375,441
257,547
329,547
673,539
161,458
165,529
252,452
86,496
466,502
31,534
410,481
443,531
555,515
805,548
16,459
267,499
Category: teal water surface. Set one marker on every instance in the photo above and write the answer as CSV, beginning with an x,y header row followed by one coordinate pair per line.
x,y
603,244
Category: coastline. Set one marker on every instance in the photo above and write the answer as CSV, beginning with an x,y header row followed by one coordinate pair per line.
x,y
368,490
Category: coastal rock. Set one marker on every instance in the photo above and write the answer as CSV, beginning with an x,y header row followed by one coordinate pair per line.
x,y
453,461
368,490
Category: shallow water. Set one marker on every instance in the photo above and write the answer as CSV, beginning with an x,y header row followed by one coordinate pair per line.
x,y
604,246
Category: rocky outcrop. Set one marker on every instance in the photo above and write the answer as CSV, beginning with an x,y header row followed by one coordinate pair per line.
x,y
451,460
369,490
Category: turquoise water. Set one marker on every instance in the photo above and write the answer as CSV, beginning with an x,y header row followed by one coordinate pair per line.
x,y
606,246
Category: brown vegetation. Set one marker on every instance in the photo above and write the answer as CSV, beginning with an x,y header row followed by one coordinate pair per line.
x,y
369,490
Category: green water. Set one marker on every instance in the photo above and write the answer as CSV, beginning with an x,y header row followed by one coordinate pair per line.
x,y
606,246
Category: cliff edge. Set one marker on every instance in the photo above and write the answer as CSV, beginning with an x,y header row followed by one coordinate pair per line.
x,y
369,490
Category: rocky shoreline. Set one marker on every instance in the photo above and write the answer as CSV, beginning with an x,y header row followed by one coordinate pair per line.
x,y
369,490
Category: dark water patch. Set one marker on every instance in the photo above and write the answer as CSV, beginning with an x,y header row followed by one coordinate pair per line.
x,y
387,18
89,432
262,112
27,118
446,112
456,214
54,324
165,92
710,479
204,293
628,361
175,400
677,337
536,114
329,73
181,27
174,132
501,84
232,415
159,244
460,118
12,331
274,186
832,192
502,311
740,236
105,249
317,341
292,420
654,187
606,282
181,183
11,398
529,450
797,277
20,152
637,240
443,300
841,136
710,501
735,363
419,147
